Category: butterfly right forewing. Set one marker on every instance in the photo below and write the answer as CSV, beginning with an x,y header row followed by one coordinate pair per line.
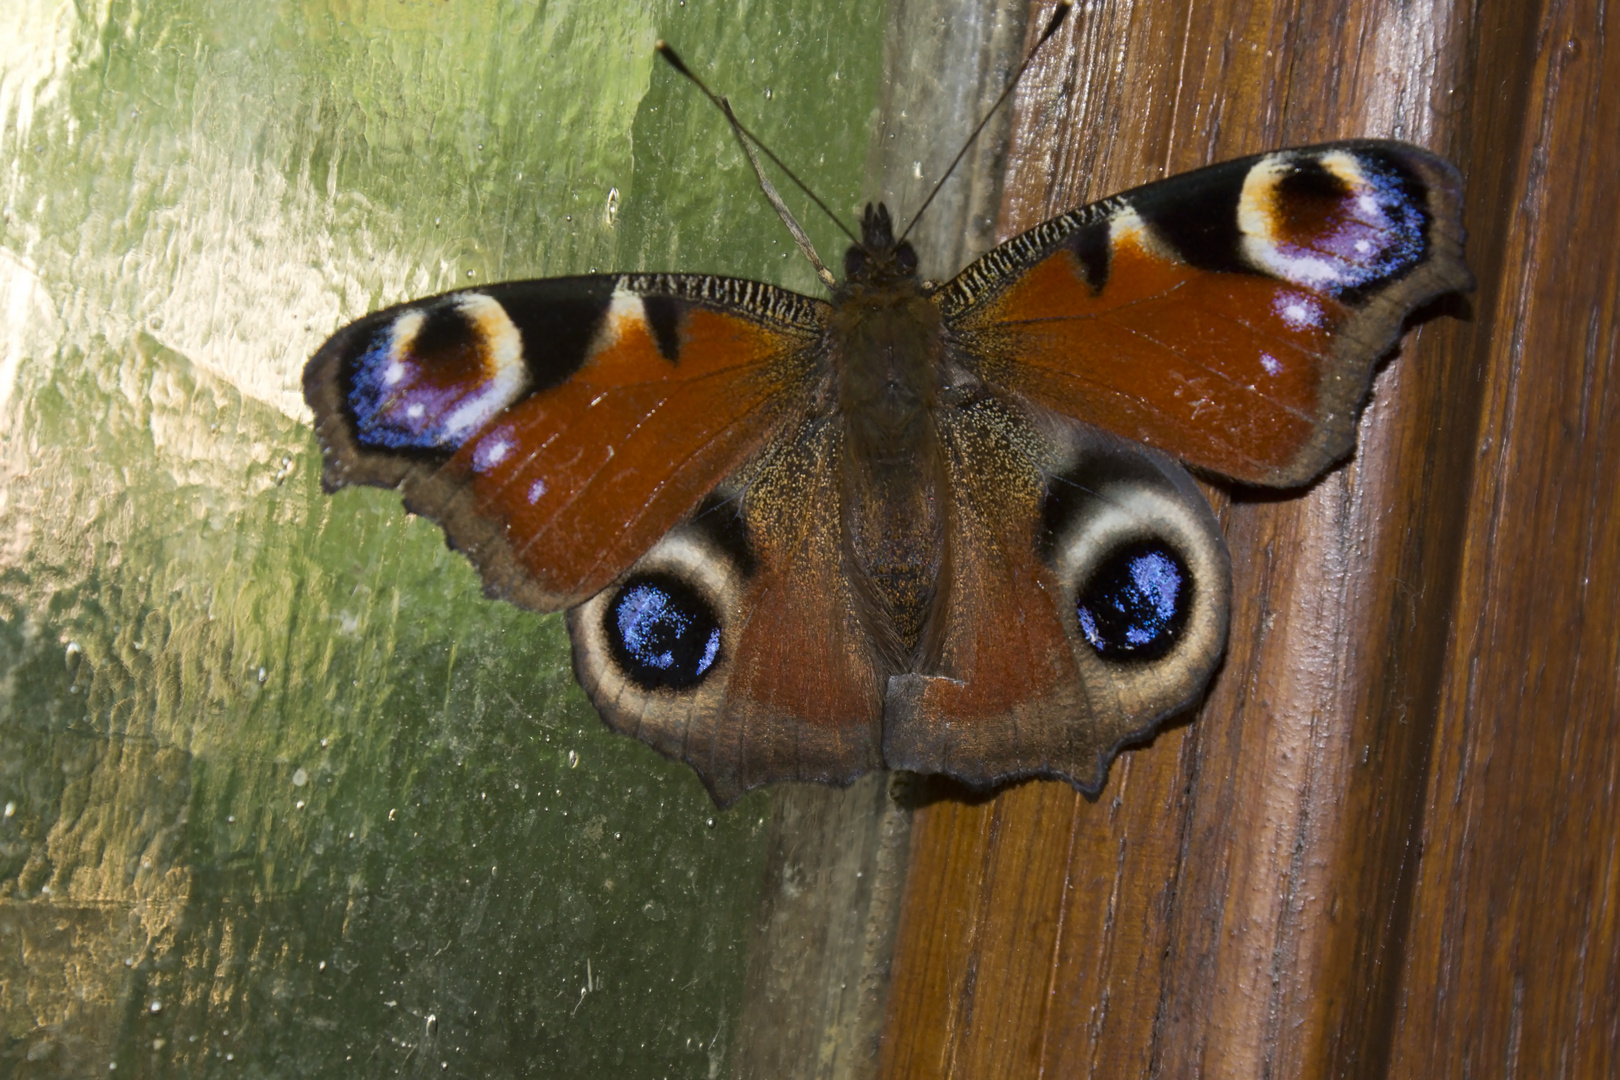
x,y
1230,316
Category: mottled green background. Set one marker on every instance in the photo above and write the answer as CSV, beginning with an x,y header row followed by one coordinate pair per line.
x,y
283,794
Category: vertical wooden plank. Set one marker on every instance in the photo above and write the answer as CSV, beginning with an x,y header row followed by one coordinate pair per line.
x,y
821,942
820,947
1231,906
1110,959
1513,964
936,949
1314,745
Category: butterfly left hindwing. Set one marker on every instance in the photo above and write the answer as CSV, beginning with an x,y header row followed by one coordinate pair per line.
x,y
917,527
791,686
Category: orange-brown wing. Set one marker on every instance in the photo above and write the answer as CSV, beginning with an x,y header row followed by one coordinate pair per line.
x,y
1084,600
733,645
558,428
1231,316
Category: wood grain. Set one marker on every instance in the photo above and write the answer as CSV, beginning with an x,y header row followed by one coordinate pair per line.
x,y
1513,963
1385,846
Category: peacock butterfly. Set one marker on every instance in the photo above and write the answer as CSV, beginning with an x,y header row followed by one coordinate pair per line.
x,y
914,526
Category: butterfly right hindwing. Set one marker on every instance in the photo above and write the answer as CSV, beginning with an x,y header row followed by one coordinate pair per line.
x,y
1088,596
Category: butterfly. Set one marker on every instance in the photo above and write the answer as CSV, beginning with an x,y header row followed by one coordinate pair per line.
x,y
946,528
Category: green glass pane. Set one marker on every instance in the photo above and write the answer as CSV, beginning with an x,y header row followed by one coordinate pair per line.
x,y
283,795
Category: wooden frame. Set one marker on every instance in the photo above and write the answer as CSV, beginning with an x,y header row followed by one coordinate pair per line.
x,y
1386,845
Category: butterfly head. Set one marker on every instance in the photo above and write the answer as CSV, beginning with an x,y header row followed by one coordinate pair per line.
x,y
878,259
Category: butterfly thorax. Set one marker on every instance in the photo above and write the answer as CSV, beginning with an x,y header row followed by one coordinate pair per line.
x,y
885,340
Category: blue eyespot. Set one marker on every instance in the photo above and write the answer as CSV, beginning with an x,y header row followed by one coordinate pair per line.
x,y
663,633
1135,605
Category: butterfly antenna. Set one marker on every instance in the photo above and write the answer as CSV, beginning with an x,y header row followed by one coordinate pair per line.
x,y
1056,21
748,140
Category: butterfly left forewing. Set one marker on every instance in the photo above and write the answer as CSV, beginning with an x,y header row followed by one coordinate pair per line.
x,y
1231,316
557,428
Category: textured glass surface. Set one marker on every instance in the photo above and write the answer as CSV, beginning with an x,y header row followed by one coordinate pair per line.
x,y
282,794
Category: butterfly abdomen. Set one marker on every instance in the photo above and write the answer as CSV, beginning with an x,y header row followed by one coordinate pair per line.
x,y
885,342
